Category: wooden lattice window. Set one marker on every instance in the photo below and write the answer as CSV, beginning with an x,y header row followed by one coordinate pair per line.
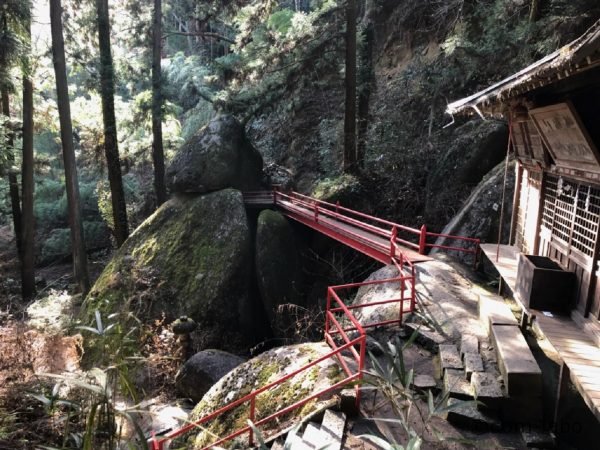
x,y
572,213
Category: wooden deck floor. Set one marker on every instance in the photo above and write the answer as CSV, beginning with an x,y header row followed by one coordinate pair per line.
x,y
576,349
505,259
578,352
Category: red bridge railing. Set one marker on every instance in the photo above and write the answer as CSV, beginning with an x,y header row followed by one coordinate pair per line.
x,y
375,232
343,332
339,322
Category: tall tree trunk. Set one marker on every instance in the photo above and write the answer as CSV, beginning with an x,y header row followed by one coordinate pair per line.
x,y
28,185
158,155
367,78
66,135
350,106
111,145
13,183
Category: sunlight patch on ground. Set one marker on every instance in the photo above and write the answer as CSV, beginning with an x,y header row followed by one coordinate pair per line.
x,y
51,313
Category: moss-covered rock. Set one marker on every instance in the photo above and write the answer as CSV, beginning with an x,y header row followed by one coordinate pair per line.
x,y
218,156
191,257
256,373
278,267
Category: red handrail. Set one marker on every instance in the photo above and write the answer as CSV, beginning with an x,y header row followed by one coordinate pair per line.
x,y
389,231
319,211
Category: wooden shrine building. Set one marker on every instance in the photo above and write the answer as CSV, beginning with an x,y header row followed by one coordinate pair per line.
x,y
553,108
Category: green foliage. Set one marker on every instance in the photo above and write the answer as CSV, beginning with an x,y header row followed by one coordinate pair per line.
x,y
281,21
274,47
15,16
58,243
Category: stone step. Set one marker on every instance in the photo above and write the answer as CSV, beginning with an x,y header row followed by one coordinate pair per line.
x,y
538,438
468,344
493,310
449,357
298,443
332,429
520,371
473,363
466,415
277,446
424,382
456,386
487,389
313,436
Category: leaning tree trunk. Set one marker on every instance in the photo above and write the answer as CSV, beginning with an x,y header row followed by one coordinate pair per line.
x,y
111,147
28,185
158,155
66,134
350,106
13,183
534,10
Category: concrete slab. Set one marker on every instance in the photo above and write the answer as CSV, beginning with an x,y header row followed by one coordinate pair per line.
x,y
332,429
520,371
277,446
313,436
473,363
456,385
493,310
449,357
468,344
487,389
466,415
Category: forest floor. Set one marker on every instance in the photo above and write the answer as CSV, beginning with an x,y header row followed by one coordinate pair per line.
x,y
34,343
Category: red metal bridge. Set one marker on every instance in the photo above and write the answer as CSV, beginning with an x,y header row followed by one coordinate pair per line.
x,y
378,238
386,242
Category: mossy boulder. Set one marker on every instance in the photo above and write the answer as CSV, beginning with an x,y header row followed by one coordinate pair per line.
x,y
278,267
191,257
259,372
218,156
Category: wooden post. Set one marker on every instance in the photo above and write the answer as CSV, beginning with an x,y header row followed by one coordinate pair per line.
x,y
423,239
561,391
538,225
516,200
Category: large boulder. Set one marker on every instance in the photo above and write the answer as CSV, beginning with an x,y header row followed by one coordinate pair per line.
x,y
191,257
471,151
199,373
218,156
259,372
278,267
480,215
371,293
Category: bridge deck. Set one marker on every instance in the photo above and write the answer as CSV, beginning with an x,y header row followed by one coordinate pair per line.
x,y
360,236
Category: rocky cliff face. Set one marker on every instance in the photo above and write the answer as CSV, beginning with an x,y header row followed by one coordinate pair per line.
x,y
425,54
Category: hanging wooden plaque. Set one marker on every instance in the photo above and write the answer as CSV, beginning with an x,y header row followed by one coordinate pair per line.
x,y
566,137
